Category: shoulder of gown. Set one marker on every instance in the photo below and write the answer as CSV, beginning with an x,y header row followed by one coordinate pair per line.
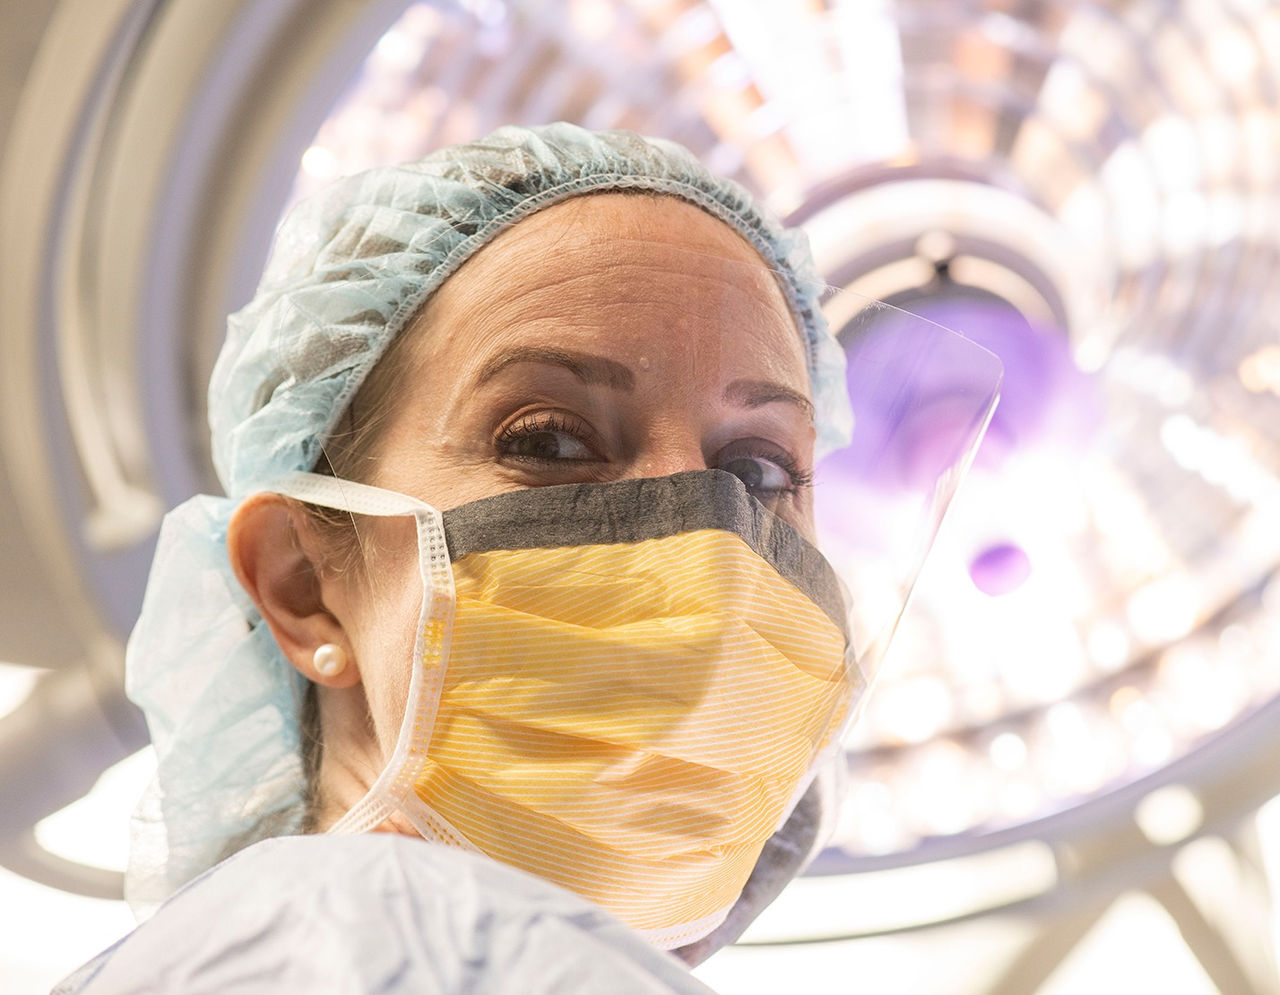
x,y
377,913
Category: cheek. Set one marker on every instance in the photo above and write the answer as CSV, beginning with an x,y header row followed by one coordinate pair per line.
x,y
389,604
455,468
388,677
808,523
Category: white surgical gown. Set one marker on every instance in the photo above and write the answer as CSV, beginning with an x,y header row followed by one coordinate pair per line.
x,y
377,913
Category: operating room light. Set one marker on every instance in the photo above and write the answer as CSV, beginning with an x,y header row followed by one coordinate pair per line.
x,y
16,684
1076,644
89,830
1012,135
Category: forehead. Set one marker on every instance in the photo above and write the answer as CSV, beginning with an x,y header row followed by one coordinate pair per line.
x,y
605,268
600,220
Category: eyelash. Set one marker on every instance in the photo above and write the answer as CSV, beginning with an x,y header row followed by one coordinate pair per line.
x,y
800,478
536,424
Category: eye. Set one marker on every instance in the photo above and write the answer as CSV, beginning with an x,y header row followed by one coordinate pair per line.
x,y
549,445
545,438
768,471
759,475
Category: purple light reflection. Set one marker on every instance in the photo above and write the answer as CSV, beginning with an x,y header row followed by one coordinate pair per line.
x,y
1000,569
917,393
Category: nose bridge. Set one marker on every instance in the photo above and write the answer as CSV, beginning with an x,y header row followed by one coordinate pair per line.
x,y
673,444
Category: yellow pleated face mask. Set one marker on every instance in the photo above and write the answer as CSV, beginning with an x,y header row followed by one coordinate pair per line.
x,y
621,688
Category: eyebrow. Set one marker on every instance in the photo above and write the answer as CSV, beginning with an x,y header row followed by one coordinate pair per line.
x,y
757,393
591,370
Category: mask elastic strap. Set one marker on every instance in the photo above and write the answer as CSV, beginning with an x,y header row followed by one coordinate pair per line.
x,y
431,645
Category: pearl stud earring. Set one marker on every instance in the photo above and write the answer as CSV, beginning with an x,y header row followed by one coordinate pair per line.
x,y
330,660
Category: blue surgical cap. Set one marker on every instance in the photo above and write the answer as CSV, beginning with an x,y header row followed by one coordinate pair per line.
x,y
349,269
352,266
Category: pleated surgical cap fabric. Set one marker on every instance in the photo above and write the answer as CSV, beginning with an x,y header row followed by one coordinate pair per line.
x,y
349,269
351,266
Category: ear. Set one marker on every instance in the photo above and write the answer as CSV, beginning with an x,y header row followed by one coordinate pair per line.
x,y
276,558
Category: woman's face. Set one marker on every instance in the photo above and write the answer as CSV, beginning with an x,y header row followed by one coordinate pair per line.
x,y
611,336
605,338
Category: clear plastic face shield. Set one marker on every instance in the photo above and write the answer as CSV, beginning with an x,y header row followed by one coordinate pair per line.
x,y
922,396
651,602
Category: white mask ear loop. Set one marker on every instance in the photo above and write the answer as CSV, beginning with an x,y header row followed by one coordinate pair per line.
x,y
431,645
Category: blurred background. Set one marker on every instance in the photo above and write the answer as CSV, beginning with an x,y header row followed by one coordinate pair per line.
x,y
1066,778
